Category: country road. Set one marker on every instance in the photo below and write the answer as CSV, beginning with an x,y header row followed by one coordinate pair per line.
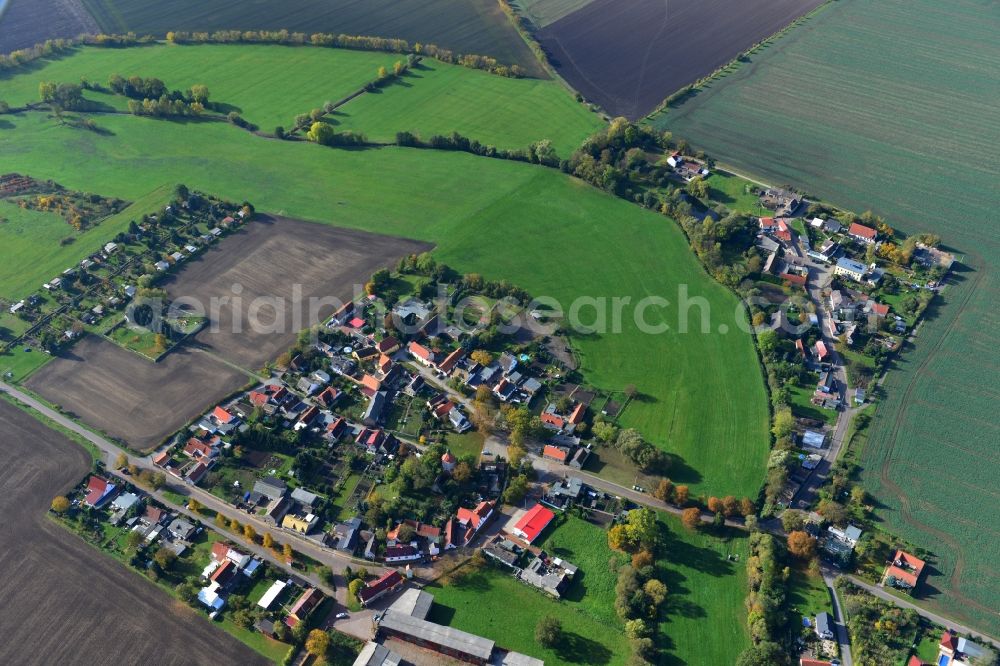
x,y
335,560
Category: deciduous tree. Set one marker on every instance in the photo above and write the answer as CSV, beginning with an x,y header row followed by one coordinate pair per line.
x,y
317,642
548,631
802,545
60,504
691,518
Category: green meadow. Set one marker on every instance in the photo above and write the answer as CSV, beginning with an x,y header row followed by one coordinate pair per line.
x,y
271,84
436,98
701,392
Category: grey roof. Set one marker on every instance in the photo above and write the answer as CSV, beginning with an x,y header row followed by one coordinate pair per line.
x,y
851,265
823,625
515,659
414,602
304,496
346,532
531,385
853,533
373,654
436,634
270,486
375,407
125,501
181,528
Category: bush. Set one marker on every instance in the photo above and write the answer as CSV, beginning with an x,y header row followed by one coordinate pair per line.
x,y
548,631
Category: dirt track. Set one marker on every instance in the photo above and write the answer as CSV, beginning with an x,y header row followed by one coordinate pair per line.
x,y
270,259
129,397
64,602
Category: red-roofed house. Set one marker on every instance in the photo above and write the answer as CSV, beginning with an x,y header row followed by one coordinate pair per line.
x,y
377,588
879,309
224,574
328,396
862,233
423,355
258,399
905,569
533,523
783,232
553,420
467,522
794,278
161,459
767,223
578,413
384,364
555,453
303,606
914,660
370,385
99,491
813,662
821,351
356,322
195,448
949,643
337,427
449,362
221,415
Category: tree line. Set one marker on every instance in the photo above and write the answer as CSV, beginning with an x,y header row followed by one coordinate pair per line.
x,y
354,42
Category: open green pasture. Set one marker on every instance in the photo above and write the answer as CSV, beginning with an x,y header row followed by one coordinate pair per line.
x,y
271,84
908,127
435,98
701,394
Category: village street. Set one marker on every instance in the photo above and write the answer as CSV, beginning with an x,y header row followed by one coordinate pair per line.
x,y
335,560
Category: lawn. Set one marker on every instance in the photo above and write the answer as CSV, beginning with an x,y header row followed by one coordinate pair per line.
x,y
701,391
734,192
437,98
32,252
705,622
871,138
801,406
807,596
467,444
484,602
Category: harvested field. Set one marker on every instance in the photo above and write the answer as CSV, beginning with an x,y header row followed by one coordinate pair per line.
x,y
129,397
64,601
284,261
25,23
860,120
465,26
629,56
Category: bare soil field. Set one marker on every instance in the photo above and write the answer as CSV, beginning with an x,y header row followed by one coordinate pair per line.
x,y
272,270
464,26
64,601
129,397
28,22
629,56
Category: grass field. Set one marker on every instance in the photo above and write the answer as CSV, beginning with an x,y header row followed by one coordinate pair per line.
x,y
702,393
481,603
907,127
705,620
438,99
734,192
465,26
270,84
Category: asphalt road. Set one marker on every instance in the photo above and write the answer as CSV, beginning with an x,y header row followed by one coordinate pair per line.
x,y
335,560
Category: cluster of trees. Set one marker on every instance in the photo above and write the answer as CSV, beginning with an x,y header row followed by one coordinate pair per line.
x,y
324,134
164,106
67,96
631,444
137,87
765,602
605,158
881,633
539,152
425,264
356,42
496,289
639,594
150,96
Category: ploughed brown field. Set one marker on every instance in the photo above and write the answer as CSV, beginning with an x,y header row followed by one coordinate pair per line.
x,y
64,602
272,270
629,56
28,22
131,398
142,403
